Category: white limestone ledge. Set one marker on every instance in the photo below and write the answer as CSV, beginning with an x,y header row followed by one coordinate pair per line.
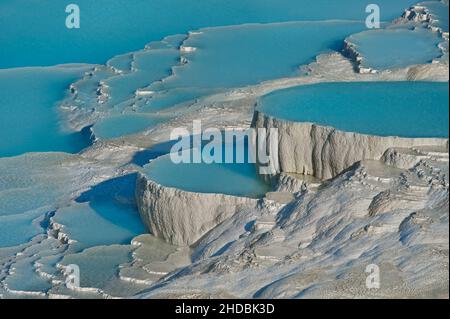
x,y
181,217
323,151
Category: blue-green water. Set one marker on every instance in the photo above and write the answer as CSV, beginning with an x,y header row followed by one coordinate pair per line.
x,y
18,229
265,52
30,187
243,55
150,66
397,47
100,223
238,179
439,12
29,96
99,265
122,125
112,27
29,120
36,186
407,109
106,214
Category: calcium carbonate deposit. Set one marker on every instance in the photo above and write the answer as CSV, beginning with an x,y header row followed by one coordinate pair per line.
x,y
360,172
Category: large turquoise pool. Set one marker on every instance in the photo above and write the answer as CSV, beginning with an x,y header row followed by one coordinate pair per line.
x,y
111,27
245,55
29,120
407,109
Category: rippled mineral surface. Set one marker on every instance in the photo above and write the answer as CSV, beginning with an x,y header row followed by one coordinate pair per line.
x,y
87,180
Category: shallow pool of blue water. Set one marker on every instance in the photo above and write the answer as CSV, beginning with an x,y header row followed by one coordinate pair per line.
x,y
104,215
406,109
126,124
439,12
100,223
244,55
238,179
30,188
397,47
111,27
29,120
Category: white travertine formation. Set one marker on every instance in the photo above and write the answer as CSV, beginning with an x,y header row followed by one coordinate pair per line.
x,y
319,245
182,217
323,151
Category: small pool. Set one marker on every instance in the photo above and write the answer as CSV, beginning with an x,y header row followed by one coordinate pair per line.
x,y
44,179
100,223
126,124
237,179
406,109
103,215
397,47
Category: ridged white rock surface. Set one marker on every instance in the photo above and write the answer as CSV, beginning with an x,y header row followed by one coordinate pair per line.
x,y
319,245
182,217
323,151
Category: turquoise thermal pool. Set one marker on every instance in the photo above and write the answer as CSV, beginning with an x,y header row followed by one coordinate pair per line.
x,y
396,47
264,52
100,223
406,109
122,125
238,179
85,112
28,103
112,27
439,13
